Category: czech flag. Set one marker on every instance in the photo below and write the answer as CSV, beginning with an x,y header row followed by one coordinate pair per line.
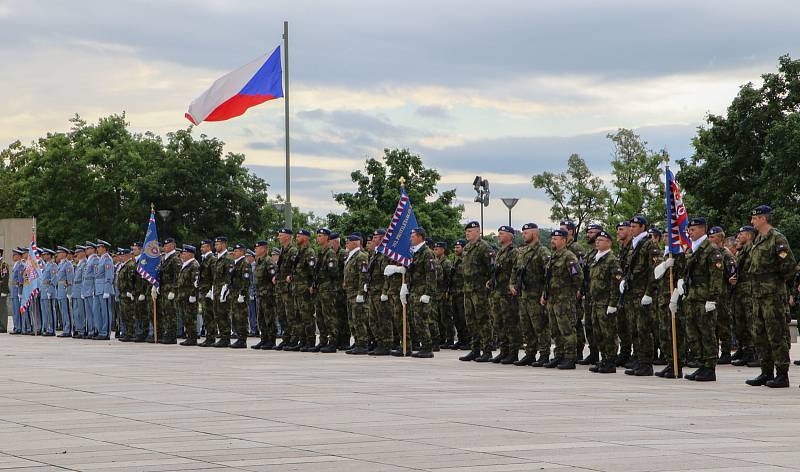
x,y
232,94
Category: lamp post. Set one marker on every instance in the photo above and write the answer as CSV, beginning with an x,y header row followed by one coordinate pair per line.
x,y
509,203
165,214
481,187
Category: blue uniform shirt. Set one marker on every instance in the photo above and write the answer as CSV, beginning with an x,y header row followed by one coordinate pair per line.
x,y
104,282
77,280
49,272
89,274
17,279
63,280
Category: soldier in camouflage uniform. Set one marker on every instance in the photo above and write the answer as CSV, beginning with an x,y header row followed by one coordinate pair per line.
x,y
563,280
301,278
266,270
188,283
208,262
724,316
421,283
223,266
502,301
356,268
239,288
478,261
326,285
392,283
140,289
573,245
638,289
772,265
604,278
527,282
592,231
702,289
168,280
380,318
343,330
658,355
665,304
284,305
126,281
625,322
742,298
447,331
457,296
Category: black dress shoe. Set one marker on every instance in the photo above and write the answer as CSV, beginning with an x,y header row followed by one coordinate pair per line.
x,y
485,357
761,380
541,361
527,359
380,351
693,375
423,354
257,345
189,342
566,364
329,349
240,343
268,346
222,342
471,356
724,359
553,363
706,374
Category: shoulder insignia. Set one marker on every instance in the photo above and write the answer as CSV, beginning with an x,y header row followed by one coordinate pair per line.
x,y
717,256
573,269
247,275
782,251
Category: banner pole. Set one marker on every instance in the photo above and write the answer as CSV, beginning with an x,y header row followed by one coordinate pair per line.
x,y
405,321
155,322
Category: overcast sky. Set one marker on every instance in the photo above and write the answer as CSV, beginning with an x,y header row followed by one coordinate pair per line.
x,y
503,89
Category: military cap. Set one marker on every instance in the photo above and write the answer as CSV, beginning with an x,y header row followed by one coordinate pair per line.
x,y
261,243
655,231
207,241
419,230
379,232
122,251
603,234
461,242
62,249
100,242
137,244
334,236
761,210
594,226
303,232
746,228
472,224
79,249
624,224
276,252
221,239
715,230
506,229
239,246
529,226
23,249
354,237
169,241
189,248
250,252
285,231
441,244
15,251
639,220
698,221
568,223
559,232
324,231
44,250
90,244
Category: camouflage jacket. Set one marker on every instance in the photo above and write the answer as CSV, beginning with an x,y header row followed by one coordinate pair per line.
x,y
503,269
446,280
703,275
377,264
604,278
285,267
772,264
422,272
457,275
743,287
678,270
188,281
304,265
639,272
168,273
5,274
355,273
222,273
564,276
239,279
528,275
207,264
328,277
478,262
265,271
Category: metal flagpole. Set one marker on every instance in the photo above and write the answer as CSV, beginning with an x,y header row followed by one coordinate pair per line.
x,y
404,342
672,283
287,209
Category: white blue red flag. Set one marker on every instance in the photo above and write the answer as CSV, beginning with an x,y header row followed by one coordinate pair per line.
x,y
396,243
34,265
232,94
150,261
677,218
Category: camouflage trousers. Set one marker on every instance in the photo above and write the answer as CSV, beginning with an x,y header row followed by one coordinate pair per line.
x,y
625,330
422,317
128,308
743,323
665,332
476,311
580,335
266,317
305,328
168,321
604,330
646,325
771,329
380,318
506,315
327,319
357,316
456,300
209,319
447,332
344,328
561,313
222,316
396,309
724,321
589,326
239,313
534,325
189,317
284,307
701,335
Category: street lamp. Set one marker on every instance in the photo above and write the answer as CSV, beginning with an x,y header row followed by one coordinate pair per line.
x,y
481,186
165,214
509,203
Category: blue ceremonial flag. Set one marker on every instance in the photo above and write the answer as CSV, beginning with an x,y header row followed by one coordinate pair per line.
x,y
677,218
151,253
396,244
33,273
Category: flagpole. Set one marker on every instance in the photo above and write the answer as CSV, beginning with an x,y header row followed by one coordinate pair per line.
x,y
152,289
404,342
287,209
671,282
35,266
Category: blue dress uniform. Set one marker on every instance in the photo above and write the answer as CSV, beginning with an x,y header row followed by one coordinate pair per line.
x,y
103,292
63,284
48,295
78,311
89,274
17,279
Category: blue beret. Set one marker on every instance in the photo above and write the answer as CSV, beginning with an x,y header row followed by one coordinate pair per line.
x,y
441,244
655,231
461,242
303,232
568,223
379,232
137,244
123,251
100,242
746,228
221,239
190,248
429,242
594,226
334,236
419,230
624,224
169,241
761,210
207,241
603,234
529,226
285,231
261,243
249,252
239,246
559,232
324,231
698,221
715,230
472,224
506,229
354,237
640,220
276,252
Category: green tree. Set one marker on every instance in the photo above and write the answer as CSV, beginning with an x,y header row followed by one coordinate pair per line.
x,y
378,189
577,194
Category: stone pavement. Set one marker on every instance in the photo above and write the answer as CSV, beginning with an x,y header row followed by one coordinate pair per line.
x,y
106,406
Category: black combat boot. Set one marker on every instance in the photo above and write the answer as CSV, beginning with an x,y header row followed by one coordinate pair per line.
x,y
511,358
608,367
222,342
268,346
399,352
527,359
329,349
566,364
781,379
743,359
240,343
255,346
738,354
208,342
485,357
541,361
499,357
423,353
359,351
762,379
189,342
592,358
644,370
706,374
380,351
553,363
631,367
724,359
693,375
471,356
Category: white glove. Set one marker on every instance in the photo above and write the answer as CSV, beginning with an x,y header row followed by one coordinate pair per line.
x,y
141,298
171,296
425,299
210,294
647,300
359,298
660,270
129,295
4,295
192,299
679,288
154,292
223,293
69,297
240,299
83,297
611,310
673,306
669,262
711,306
366,288
384,297
404,293
622,287
106,296
393,269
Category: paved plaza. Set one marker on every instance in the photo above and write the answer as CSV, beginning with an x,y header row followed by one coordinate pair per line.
x,y
106,406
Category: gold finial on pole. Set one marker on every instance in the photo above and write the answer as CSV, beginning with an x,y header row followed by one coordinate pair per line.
x,y
152,208
402,181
